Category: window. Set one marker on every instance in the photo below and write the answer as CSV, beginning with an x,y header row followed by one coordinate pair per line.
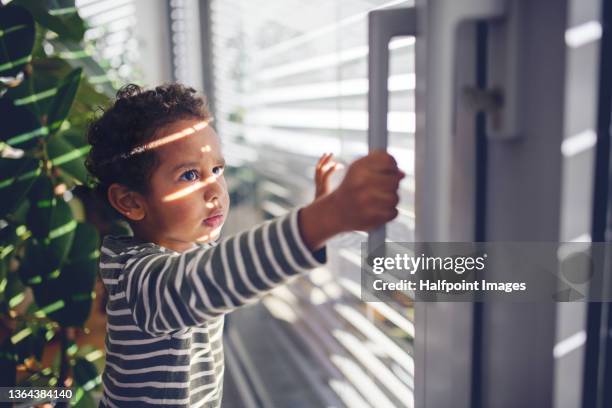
x,y
291,83
111,31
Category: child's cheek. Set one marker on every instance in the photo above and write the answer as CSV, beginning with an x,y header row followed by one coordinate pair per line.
x,y
187,209
225,195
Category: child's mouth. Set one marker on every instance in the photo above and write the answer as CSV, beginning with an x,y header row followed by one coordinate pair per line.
x,y
214,221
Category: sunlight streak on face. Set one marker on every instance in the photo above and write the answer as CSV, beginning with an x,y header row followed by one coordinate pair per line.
x,y
173,137
189,189
176,136
210,236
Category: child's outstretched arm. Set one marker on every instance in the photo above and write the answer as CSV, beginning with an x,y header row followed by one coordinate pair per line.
x,y
167,291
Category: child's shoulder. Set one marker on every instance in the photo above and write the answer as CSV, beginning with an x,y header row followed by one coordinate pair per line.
x,y
118,249
131,245
127,242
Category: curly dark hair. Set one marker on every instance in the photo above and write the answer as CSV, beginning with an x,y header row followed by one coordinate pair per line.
x,y
130,122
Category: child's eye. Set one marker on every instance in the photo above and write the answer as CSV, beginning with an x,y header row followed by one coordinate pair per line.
x,y
219,170
189,175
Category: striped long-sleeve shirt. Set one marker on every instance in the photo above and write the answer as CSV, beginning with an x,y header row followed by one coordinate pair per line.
x,y
165,310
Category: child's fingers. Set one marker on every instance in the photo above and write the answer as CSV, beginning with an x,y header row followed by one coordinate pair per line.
x,y
323,164
331,168
323,157
323,160
320,162
327,174
325,168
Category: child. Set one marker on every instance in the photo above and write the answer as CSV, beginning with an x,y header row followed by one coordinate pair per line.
x,y
158,162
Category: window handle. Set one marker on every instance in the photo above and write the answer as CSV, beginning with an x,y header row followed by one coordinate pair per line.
x,y
383,25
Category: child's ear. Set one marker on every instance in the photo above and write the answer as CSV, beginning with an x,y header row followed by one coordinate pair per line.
x,y
126,201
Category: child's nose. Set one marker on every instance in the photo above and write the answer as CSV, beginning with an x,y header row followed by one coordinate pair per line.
x,y
213,189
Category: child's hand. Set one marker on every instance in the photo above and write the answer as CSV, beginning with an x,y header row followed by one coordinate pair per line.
x,y
366,198
368,195
323,171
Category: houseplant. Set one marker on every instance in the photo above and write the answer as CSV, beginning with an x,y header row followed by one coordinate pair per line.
x,y
49,85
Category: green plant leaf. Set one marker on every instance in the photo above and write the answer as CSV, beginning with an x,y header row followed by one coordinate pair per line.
x,y
3,282
66,294
44,378
87,98
78,276
82,399
85,247
64,21
62,102
87,101
38,51
67,156
86,374
77,55
19,214
15,290
53,227
61,233
29,339
43,202
20,127
50,94
94,355
16,39
8,245
9,235
16,179
37,92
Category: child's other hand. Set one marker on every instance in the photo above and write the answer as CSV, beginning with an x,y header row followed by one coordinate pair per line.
x,y
324,169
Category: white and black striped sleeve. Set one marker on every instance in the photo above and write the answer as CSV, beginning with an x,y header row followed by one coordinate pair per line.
x,y
167,291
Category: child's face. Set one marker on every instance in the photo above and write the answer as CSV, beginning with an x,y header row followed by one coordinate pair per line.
x,y
187,187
